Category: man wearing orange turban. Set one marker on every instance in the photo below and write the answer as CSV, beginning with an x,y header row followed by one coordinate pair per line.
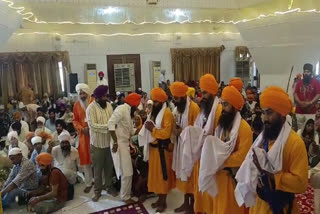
x,y
60,190
232,140
185,113
237,83
289,172
121,129
161,178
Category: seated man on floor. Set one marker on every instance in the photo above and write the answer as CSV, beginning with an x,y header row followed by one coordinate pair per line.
x,y
22,178
60,127
14,142
17,126
66,157
47,200
41,126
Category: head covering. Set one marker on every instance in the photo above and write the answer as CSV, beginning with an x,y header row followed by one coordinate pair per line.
x,y
209,84
237,83
150,102
191,92
29,136
52,110
44,135
133,99
101,74
21,105
40,109
44,159
15,151
64,136
16,115
36,139
158,94
231,95
299,76
118,93
178,89
83,87
100,91
308,67
276,99
41,119
16,126
12,134
45,95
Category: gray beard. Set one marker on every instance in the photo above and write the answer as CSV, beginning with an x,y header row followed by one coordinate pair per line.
x,y
84,104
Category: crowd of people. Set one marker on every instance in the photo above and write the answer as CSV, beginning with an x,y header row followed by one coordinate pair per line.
x,y
226,148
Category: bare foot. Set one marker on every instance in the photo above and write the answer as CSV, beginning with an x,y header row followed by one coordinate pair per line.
x,y
87,189
96,197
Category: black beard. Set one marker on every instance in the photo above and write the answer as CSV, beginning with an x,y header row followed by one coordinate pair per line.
x,y
66,150
206,105
45,171
155,111
306,79
181,106
132,111
226,119
271,131
102,103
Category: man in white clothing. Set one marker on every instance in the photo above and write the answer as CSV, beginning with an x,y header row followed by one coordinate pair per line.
x,y
66,157
101,80
121,129
162,79
14,142
41,126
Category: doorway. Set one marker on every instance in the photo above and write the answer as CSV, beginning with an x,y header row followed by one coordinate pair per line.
x,y
126,60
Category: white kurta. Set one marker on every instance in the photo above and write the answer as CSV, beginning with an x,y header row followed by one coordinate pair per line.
x,y
68,165
102,82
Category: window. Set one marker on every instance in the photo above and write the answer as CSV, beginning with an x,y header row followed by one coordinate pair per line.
x,y
61,76
317,68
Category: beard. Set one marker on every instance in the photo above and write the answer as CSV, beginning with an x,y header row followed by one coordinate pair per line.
x,y
226,119
206,105
181,106
272,130
155,111
306,79
45,171
66,150
84,103
133,109
102,103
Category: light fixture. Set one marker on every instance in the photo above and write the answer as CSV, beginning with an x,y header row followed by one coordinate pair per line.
x,y
176,13
317,68
108,10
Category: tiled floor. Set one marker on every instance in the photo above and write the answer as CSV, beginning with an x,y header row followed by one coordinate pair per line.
x,y
82,203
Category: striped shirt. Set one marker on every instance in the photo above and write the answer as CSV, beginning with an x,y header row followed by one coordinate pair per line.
x,y
98,124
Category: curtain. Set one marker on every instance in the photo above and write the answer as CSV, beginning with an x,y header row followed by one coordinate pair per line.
x,y
38,70
191,63
242,53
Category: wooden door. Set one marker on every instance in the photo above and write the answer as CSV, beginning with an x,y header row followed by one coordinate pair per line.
x,y
119,59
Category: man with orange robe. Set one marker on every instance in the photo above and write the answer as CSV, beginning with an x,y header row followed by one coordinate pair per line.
x,y
223,153
276,167
185,113
159,128
194,136
81,125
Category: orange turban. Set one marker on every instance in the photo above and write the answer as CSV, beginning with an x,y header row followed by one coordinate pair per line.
x,y
237,83
133,99
276,99
45,135
29,136
158,94
178,89
191,92
16,115
209,84
231,95
44,159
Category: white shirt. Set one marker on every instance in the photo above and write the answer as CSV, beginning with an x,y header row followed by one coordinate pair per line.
x,y
161,78
102,82
24,149
121,122
24,126
98,124
68,165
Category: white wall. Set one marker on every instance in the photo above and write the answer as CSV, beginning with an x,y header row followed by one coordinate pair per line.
x,y
90,49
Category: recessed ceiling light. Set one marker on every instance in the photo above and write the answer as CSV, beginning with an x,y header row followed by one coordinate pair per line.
x,y
108,10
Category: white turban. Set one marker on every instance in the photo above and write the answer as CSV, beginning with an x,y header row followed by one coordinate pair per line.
x,y
41,119
118,93
15,151
64,136
150,102
12,134
83,87
36,139
21,105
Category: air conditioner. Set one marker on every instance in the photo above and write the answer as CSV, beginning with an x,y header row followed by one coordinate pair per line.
x,y
91,75
152,2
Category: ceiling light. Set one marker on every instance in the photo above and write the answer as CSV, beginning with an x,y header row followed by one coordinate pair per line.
x,y
177,13
108,10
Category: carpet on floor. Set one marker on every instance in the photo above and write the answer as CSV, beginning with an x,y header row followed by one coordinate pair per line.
x,y
306,201
135,208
